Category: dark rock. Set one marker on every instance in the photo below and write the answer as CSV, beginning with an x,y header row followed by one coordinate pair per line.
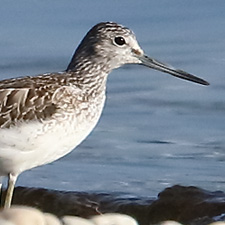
x,y
187,205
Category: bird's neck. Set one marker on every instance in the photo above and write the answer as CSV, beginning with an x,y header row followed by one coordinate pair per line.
x,y
90,77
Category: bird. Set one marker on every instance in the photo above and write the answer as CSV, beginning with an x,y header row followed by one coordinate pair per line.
x,y
44,117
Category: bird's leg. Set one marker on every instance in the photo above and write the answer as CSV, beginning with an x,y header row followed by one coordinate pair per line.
x,y
1,201
11,183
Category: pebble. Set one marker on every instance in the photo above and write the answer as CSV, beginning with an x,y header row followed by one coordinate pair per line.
x,y
170,222
74,220
23,215
113,219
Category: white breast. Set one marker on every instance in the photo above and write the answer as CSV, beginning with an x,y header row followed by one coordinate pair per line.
x,y
34,143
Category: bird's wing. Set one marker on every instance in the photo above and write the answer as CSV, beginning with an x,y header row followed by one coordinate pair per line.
x,y
18,104
31,100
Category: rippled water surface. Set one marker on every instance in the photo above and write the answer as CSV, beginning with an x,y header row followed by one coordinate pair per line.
x,y
155,130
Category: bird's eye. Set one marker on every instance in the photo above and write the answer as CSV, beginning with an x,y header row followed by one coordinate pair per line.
x,y
119,41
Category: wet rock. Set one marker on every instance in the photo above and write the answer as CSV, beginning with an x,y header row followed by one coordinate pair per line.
x,y
187,205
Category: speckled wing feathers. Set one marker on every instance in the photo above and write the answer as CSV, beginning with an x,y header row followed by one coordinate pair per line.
x,y
29,98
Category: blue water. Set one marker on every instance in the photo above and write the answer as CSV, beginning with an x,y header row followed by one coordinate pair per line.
x,y
156,130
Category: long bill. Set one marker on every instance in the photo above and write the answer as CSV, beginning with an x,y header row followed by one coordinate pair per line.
x,y
154,64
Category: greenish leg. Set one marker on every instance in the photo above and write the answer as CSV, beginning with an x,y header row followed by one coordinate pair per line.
x,y
11,184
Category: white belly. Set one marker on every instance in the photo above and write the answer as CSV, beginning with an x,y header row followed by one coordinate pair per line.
x,y
34,143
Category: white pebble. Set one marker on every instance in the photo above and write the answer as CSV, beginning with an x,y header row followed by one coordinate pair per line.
x,y
22,215
113,219
170,222
6,222
74,220
51,219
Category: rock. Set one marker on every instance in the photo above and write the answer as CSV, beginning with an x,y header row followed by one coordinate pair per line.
x,y
186,205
